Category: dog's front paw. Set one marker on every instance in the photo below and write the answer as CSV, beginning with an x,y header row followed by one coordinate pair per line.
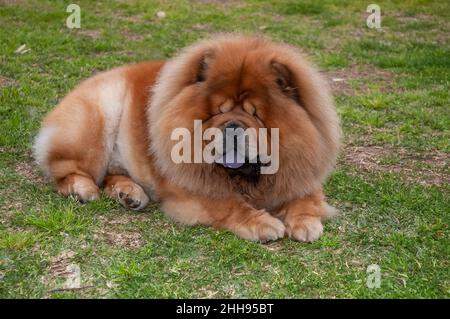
x,y
135,200
262,227
305,228
130,195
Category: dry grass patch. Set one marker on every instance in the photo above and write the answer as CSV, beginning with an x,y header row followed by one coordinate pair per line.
x,y
93,34
59,264
340,79
425,169
10,2
219,2
5,81
28,171
132,36
136,18
129,240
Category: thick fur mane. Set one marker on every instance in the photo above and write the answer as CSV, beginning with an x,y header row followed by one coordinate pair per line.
x,y
305,161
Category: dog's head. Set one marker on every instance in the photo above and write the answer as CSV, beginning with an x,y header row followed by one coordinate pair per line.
x,y
239,85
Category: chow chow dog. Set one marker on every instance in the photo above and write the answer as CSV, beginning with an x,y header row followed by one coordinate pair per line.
x,y
114,132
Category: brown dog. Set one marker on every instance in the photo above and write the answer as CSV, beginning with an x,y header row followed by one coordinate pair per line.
x,y
114,131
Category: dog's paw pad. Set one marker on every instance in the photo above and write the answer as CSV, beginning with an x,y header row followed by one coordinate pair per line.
x,y
131,201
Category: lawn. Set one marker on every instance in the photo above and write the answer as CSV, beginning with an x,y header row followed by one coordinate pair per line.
x,y
391,184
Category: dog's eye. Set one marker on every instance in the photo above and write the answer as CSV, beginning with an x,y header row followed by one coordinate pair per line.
x,y
292,93
281,83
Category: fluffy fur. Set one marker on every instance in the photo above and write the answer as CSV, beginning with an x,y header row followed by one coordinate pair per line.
x,y
114,131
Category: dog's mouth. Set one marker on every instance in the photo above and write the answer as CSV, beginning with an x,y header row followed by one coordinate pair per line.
x,y
236,153
233,162
248,170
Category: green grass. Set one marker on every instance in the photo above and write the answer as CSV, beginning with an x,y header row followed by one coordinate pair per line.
x,y
394,207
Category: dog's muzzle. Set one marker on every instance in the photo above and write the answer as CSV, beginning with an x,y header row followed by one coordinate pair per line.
x,y
236,153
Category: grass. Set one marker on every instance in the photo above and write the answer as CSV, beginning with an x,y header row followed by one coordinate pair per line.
x,y
391,184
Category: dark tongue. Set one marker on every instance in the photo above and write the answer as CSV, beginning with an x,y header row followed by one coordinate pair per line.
x,y
232,163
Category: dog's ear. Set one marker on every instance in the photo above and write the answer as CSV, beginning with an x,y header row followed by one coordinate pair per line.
x,y
285,81
202,67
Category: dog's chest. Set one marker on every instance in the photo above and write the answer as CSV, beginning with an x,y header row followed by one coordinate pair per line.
x,y
115,163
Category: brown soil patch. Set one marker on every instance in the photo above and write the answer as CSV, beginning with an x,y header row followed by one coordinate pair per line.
x,y
437,35
208,293
93,34
128,240
8,209
4,81
9,2
417,17
126,219
201,27
218,2
273,246
63,274
370,158
339,79
28,171
58,266
113,235
130,36
129,18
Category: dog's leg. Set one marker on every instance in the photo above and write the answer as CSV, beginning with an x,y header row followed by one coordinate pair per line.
x,y
77,138
250,223
79,185
233,214
129,194
303,217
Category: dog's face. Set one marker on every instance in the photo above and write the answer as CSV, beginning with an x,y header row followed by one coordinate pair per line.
x,y
233,84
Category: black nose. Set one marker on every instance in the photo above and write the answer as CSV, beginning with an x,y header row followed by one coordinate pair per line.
x,y
232,125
